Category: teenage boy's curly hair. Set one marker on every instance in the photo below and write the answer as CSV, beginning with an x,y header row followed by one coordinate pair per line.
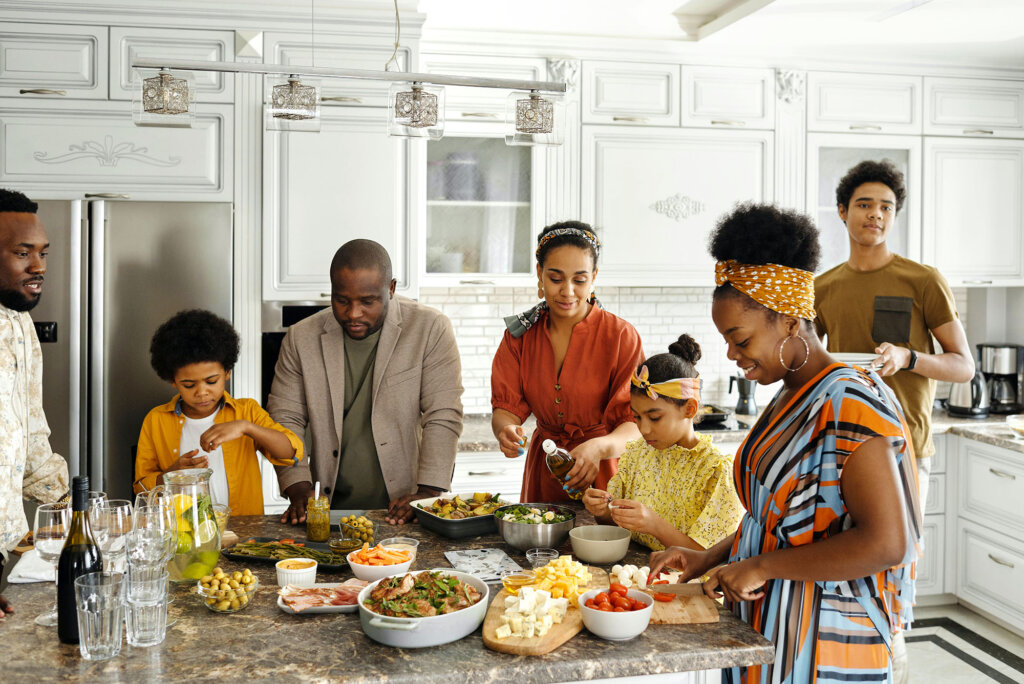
x,y
192,336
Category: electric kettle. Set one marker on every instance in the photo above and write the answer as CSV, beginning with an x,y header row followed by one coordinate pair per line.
x,y
969,399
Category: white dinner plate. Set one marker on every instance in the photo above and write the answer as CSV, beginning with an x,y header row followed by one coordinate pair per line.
x,y
319,609
862,360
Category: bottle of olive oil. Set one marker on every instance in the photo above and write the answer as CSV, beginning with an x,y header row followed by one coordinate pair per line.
x,y
559,462
80,555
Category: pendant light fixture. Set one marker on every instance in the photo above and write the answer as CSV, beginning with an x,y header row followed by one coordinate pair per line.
x,y
416,111
163,100
293,105
534,120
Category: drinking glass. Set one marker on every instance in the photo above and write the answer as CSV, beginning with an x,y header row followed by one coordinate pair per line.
x,y
99,598
160,516
96,497
146,605
50,531
110,522
147,548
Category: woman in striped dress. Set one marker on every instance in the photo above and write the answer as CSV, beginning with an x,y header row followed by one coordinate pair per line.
x,y
823,561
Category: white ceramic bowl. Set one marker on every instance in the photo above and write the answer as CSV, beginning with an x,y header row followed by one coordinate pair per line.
x,y
1016,424
300,577
372,573
617,626
599,544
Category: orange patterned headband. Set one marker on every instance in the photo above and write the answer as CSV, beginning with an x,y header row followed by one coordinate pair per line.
x,y
677,388
781,288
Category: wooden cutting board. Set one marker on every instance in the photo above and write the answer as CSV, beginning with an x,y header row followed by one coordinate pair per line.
x,y
693,607
559,633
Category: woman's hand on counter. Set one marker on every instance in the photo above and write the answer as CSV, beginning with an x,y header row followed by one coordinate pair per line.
x,y
512,441
298,494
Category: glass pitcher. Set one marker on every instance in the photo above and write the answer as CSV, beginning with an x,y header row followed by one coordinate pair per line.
x,y
198,533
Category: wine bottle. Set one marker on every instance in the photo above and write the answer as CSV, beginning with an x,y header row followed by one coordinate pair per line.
x,y
559,462
80,555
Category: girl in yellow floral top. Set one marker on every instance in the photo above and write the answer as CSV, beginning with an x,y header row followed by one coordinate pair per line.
x,y
673,488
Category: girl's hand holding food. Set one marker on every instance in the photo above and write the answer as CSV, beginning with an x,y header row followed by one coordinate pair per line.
x,y
596,502
512,441
634,516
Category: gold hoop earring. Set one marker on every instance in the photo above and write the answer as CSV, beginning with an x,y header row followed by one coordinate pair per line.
x,y
807,353
540,290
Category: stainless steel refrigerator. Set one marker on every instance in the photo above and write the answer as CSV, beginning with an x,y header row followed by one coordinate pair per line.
x,y
116,270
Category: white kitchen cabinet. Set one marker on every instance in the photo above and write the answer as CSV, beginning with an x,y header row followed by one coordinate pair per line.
x,y
719,97
654,196
131,43
349,52
930,567
990,571
481,104
489,471
991,487
974,107
975,210
320,190
61,148
829,157
863,103
630,93
53,61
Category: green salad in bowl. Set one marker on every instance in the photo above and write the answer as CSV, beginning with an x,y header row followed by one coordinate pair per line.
x,y
533,515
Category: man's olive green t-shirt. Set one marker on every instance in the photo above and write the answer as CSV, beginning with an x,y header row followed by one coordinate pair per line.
x,y
360,482
900,303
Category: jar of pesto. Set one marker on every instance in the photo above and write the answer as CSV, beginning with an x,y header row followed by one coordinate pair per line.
x,y
318,519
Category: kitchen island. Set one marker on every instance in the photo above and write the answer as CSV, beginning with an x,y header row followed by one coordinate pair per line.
x,y
262,642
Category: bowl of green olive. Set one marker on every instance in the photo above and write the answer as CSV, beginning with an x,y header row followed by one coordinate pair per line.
x,y
224,592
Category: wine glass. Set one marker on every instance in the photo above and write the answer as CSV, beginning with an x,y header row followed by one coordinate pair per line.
x,y
110,522
50,531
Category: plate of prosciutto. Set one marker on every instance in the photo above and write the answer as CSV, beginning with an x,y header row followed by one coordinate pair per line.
x,y
321,598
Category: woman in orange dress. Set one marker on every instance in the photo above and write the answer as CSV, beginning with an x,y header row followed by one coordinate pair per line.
x,y
568,362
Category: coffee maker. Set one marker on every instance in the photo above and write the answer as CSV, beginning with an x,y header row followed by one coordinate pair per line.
x,y
1003,367
745,406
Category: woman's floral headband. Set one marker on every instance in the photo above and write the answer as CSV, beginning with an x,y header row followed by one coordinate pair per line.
x,y
558,232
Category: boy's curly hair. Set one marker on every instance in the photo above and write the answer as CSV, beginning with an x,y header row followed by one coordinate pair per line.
x,y
884,172
192,336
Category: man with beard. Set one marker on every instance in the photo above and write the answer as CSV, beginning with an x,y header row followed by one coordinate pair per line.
x,y
377,379
28,467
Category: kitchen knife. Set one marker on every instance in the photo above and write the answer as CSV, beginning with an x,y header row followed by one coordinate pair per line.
x,y
679,588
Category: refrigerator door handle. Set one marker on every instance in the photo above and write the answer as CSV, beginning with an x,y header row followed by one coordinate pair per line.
x,y
97,375
76,229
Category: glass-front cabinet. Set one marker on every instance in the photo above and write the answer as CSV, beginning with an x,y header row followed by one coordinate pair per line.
x,y
483,209
829,157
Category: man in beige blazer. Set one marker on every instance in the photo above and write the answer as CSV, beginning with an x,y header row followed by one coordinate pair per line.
x,y
378,381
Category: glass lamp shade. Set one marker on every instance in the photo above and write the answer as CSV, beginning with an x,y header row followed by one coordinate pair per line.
x,y
534,119
292,106
163,99
416,111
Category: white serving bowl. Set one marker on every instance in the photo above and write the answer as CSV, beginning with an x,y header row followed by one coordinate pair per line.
x,y
617,626
599,544
300,577
372,573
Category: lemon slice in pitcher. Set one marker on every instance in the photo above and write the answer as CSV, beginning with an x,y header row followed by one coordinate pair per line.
x,y
206,531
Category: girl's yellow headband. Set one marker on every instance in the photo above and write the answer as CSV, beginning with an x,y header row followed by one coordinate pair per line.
x,y
781,288
676,388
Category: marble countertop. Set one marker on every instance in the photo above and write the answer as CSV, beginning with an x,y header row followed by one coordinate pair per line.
x,y
262,642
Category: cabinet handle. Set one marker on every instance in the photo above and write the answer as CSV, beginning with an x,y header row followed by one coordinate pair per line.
x,y
728,123
106,195
977,282
1000,473
865,127
978,131
1000,561
325,294
480,115
476,282
42,91
341,98
638,119
487,472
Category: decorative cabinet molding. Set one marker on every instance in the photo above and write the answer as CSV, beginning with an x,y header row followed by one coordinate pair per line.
x,y
55,60
991,487
863,103
319,191
719,97
64,148
655,194
349,51
930,567
990,572
127,44
974,107
482,104
630,93
975,210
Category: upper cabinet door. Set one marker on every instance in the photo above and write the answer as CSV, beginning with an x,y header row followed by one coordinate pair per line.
x,y
481,104
128,44
974,207
348,52
53,60
863,103
728,98
974,107
350,180
630,93
655,195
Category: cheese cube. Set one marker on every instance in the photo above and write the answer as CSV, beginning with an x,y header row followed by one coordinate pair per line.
x,y
527,601
516,624
558,607
511,602
503,632
546,622
529,629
